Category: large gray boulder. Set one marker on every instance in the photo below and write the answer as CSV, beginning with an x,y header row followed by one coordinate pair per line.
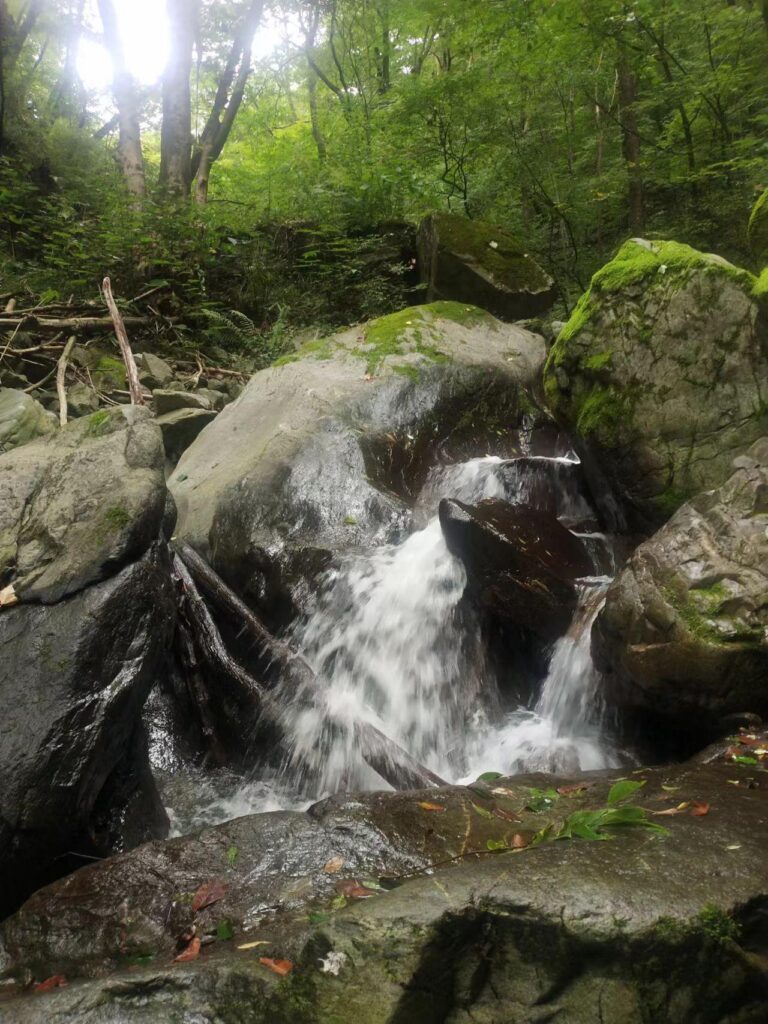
x,y
322,452
684,630
631,931
662,370
22,419
482,264
76,506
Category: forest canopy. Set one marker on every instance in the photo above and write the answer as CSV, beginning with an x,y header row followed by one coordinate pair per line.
x,y
573,123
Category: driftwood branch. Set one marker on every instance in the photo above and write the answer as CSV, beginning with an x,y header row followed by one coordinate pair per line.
x,y
387,758
137,396
61,371
230,604
73,323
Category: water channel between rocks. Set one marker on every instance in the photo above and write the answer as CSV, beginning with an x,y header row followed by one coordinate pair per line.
x,y
394,644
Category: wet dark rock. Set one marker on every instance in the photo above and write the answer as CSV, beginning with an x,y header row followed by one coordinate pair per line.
x,y
629,931
73,679
521,562
684,630
661,370
76,506
318,456
483,264
556,486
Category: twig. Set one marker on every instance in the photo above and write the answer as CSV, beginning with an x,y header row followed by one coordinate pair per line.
x,y
61,370
137,397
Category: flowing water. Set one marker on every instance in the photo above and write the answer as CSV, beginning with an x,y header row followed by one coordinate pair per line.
x,y
392,645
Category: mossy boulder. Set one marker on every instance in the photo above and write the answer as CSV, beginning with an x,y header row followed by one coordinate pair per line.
x,y
663,372
456,926
483,264
22,419
684,630
323,452
78,505
758,230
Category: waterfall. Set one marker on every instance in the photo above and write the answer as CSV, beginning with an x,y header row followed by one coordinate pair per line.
x,y
390,647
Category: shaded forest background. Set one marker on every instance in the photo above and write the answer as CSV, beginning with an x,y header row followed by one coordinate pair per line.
x,y
264,197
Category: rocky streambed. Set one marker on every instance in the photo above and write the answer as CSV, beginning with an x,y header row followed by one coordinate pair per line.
x,y
385,565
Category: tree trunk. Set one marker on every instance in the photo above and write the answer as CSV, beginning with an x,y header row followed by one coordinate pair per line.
x,y
627,83
314,115
176,132
124,88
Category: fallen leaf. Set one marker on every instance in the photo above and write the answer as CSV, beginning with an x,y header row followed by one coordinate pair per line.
x,y
699,809
333,865
253,945
425,805
519,841
570,790
680,809
207,894
8,598
481,811
353,890
736,846
192,952
281,967
669,789
499,812
496,844
55,981
501,791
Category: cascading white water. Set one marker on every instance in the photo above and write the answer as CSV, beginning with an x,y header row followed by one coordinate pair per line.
x,y
389,648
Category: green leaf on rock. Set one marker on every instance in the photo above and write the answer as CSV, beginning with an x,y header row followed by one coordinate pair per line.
x,y
496,844
224,931
232,855
622,790
489,776
481,811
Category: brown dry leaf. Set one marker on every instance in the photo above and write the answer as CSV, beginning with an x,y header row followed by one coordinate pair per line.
x,y
519,841
281,967
333,865
499,812
192,952
55,981
680,809
699,809
8,598
207,894
570,790
501,791
352,889
425,805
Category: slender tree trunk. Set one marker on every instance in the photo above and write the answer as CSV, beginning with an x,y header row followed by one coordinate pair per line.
x,y
631,144
176,132
124,88
314,115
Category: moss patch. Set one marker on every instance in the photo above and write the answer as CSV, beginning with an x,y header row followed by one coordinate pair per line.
x,y
760,291
117,517
109,373
499,253
758,228
605,413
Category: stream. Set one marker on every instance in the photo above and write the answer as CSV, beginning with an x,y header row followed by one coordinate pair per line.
x,y
393,644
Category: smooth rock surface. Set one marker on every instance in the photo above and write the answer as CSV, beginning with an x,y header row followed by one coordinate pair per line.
x,y
320,455
164,401
181,427
154,372
662,369
22,419
73,679
483,264
643,929
684,630
76,506
521,562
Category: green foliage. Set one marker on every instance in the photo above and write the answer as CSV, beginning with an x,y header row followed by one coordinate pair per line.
x,y
602,824
541,799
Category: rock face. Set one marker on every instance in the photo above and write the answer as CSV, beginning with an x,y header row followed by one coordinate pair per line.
x,y
628,931
180,428
684,631
22,419
73,681
758,230
482,264
320,454
76,506
662,369
80,519
520,562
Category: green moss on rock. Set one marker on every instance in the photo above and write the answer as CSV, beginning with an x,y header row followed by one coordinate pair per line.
x,y
498,251
760,291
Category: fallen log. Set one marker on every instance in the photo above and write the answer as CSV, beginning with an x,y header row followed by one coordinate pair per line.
x,y
84,324
387,758
236,609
